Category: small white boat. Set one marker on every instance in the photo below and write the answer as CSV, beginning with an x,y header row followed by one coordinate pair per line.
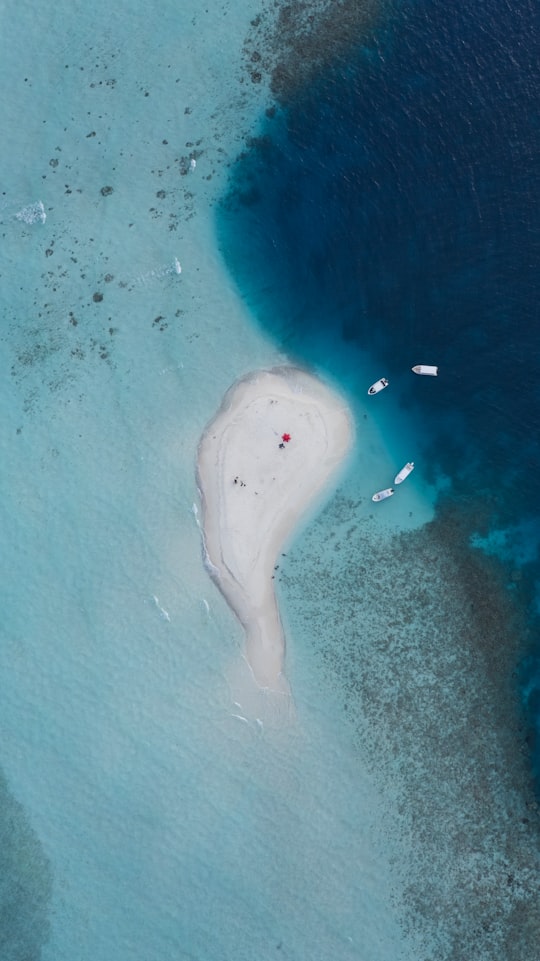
x,y
378,385
425,369
404,472
382,495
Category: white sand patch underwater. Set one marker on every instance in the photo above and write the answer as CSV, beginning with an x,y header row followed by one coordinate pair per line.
x,y
167,807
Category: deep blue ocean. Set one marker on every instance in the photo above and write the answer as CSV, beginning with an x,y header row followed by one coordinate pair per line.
x,y
391,206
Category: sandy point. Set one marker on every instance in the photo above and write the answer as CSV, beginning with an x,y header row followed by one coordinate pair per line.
x,y
270,451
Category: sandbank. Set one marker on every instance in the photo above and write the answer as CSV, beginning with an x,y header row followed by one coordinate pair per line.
x,y
253,493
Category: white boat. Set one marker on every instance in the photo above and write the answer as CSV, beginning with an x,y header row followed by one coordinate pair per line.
x,y
378,385
382,495
425,369
404,472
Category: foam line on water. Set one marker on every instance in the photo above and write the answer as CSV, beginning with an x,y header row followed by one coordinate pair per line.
x,y
159,273
28,213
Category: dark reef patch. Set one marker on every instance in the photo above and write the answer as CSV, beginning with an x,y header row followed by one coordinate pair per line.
x,y
428,683
25,884
292,42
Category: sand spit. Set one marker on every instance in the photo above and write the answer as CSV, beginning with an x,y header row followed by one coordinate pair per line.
x,y
272,448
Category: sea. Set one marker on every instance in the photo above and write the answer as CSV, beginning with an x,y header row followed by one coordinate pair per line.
x,y
190,193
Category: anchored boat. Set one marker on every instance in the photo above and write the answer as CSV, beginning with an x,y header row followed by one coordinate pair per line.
x,y
382,495
378,385
425,369
404,472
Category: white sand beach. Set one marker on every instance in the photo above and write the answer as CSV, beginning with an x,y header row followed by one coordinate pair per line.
x,y
255,484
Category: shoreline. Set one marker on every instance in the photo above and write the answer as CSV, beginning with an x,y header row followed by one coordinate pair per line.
x,y
255,486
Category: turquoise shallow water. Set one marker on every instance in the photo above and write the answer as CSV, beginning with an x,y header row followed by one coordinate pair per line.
x,y
154,804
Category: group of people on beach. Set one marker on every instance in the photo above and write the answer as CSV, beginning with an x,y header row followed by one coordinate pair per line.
x,y
285,439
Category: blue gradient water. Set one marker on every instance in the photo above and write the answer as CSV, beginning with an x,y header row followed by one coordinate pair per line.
x,y
392,208
154,804
385,216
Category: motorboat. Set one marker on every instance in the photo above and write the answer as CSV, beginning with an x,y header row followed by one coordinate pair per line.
x,y
404,472
382,495
425,369
378,385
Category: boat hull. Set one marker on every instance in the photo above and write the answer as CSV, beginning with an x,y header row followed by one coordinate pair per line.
x,y
404,473
382,495
426,370
378,386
